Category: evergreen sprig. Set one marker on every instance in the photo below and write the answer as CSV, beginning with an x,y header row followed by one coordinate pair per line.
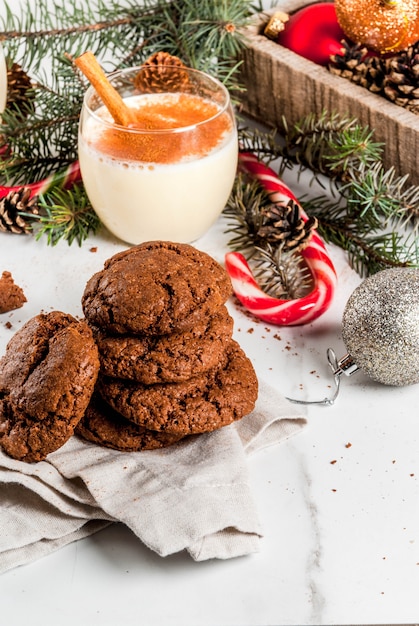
x,y
64,215
45,38
374,216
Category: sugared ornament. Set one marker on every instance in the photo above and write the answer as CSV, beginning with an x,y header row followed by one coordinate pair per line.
x,y
385,26
380,326
380,330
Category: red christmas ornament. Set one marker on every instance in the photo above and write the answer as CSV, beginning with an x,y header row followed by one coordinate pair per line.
x,y
313,32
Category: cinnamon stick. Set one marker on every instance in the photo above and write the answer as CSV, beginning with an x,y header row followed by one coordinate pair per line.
x,y
89,65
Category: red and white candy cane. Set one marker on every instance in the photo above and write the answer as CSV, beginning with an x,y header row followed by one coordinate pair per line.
x,y
63,179
275,310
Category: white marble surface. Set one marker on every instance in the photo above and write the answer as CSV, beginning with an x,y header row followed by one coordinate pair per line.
x,y
339,503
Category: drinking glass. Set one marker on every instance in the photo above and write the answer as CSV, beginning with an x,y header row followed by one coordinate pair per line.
x,y
168,175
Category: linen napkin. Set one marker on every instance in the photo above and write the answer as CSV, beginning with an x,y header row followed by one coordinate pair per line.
x,y
194,495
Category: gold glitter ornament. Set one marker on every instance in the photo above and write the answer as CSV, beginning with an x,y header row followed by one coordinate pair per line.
x,y
382,25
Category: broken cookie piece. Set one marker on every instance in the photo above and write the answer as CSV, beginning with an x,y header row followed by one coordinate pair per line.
x,y
11,295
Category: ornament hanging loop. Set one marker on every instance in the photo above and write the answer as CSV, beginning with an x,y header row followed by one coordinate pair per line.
x,y
345,365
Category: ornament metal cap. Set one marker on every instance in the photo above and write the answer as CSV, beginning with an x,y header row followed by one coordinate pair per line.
x,y
276,24
345,365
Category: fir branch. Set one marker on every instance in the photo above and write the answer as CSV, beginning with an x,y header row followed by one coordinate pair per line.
x,y
281,275
44,38
382,194
65,214
329,144
373,205
370,248
265,145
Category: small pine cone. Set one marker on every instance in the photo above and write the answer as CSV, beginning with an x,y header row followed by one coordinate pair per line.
x,y
161,72
19,95
401,83
349,63
372,75
10,208
284,225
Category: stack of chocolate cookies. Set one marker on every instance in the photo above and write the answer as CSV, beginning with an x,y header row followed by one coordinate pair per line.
x,y
168,364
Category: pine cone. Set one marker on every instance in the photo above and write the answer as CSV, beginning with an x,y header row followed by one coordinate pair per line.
x,y
19,95
283,224
401,83
347,63
10,208
161,72
395,78
354,65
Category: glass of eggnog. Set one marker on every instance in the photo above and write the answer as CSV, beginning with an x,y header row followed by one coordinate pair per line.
x,y
169,172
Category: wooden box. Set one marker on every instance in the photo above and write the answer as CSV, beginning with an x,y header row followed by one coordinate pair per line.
x,y
280,83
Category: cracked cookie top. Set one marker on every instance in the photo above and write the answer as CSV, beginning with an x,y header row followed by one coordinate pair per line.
x,y
47,377
155,288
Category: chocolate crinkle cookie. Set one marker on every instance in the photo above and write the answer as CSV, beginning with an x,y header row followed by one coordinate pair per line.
x,y
103,425
47,377
175,357
201,404
155,288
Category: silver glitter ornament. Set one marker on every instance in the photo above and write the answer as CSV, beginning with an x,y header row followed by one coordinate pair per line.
x,y
380,326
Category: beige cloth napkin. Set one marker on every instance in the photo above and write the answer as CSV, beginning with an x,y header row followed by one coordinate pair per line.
x,y
192,496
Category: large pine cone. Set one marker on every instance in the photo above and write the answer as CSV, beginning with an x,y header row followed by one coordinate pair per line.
x,y
161,72
354,65
349,63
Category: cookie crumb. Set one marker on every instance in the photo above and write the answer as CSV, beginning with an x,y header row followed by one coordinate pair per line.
x,y
11,295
